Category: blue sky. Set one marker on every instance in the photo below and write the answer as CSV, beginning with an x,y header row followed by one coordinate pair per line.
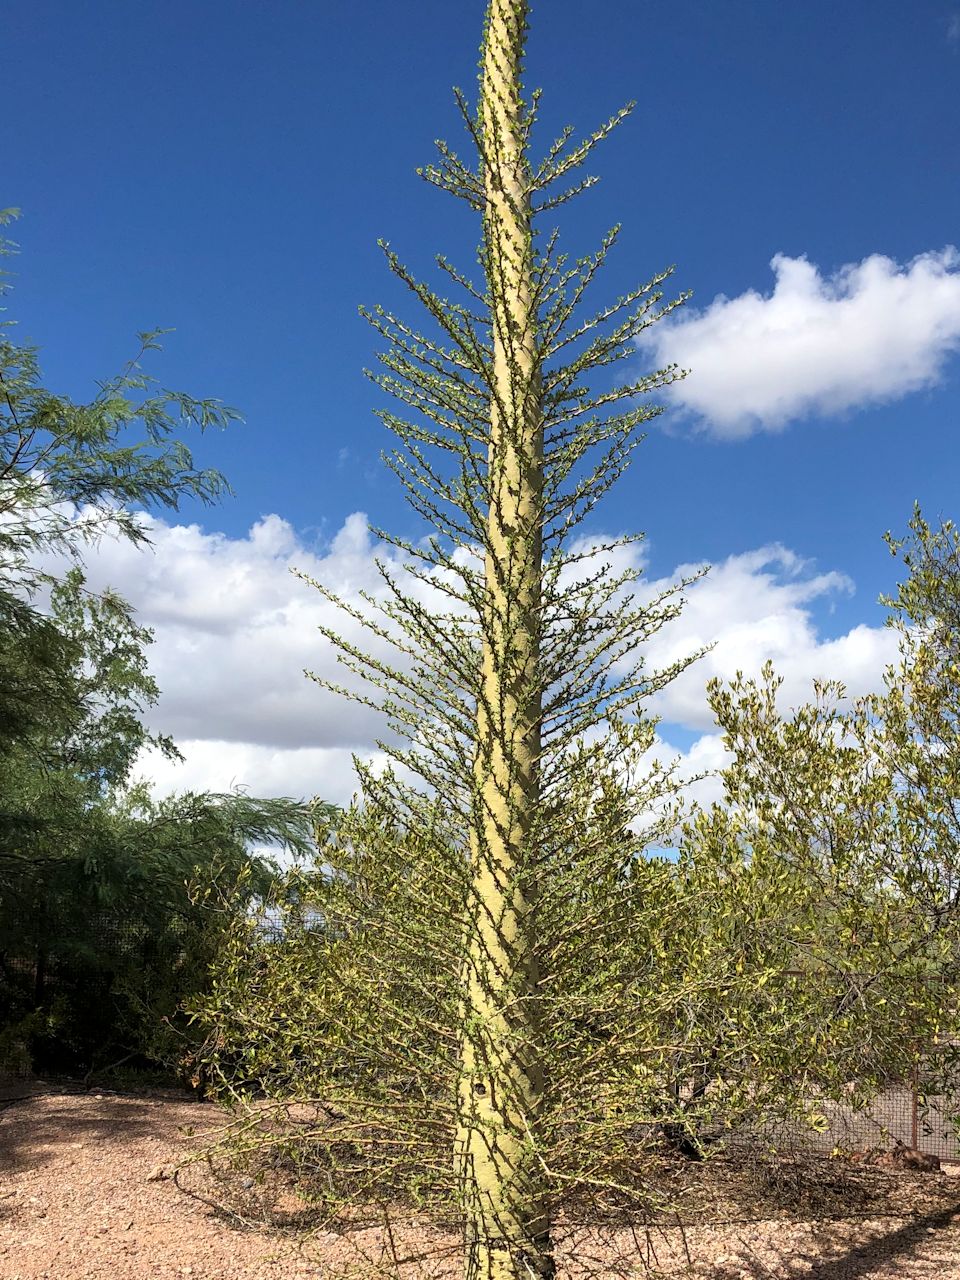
x,y
226,168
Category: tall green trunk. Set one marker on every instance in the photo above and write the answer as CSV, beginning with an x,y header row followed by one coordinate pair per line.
x,y
508,1229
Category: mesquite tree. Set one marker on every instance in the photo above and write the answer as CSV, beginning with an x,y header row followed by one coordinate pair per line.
x,y
456,916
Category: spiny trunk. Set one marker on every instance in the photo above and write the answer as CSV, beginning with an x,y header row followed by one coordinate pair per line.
x,y
508,1229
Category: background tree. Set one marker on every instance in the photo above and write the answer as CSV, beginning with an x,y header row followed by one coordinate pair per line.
x,y
69,473
921,709
104,926
835,855
104,893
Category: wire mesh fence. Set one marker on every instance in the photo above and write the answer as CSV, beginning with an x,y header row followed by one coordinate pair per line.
x,y
921,1113
899,1116
72,999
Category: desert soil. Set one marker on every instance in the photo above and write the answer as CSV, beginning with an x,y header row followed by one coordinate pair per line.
x,y
86,1193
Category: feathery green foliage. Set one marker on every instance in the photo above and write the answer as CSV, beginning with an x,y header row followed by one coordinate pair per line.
x,y
71,472
106,896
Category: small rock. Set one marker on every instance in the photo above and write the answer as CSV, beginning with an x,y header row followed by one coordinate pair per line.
x,y
159,1174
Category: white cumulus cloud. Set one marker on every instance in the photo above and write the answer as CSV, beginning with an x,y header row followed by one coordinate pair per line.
x,y
758,607
212,764
871,332
235,629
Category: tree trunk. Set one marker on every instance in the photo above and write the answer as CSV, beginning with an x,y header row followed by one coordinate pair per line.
x,y
501,1086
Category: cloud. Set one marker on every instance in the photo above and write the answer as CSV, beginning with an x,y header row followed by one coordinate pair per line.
x,y
871,332
217,765
706,756
235,628
755,607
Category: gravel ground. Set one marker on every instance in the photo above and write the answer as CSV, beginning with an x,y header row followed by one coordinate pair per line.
x,y
86,1192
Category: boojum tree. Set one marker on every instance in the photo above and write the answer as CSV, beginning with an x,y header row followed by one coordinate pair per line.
x,y
523,688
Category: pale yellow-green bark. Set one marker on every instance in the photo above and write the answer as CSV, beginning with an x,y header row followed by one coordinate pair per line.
x,y
501,1085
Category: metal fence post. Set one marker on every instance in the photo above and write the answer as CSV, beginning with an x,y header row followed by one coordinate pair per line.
x,y
914,1106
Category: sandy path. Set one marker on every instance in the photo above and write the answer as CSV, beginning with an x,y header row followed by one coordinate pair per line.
x,y
77,1203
